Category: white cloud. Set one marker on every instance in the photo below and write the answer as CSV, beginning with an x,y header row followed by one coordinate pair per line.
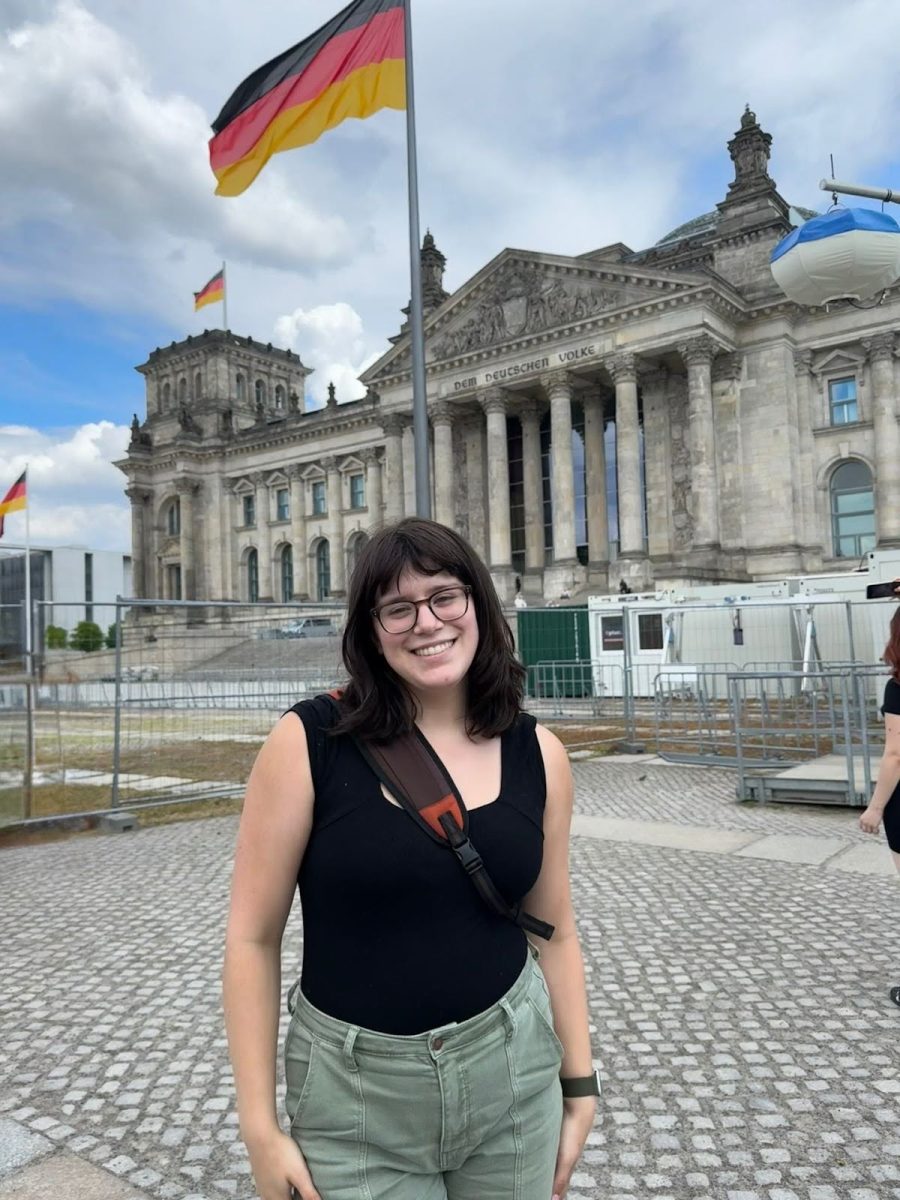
x,y
75,494
331,340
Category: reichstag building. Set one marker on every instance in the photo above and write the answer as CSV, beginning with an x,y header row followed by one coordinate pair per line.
x,y
662,416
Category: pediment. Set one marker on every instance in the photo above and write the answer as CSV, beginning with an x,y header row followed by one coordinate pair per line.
x,y
351,463
277,479
522,295
839,360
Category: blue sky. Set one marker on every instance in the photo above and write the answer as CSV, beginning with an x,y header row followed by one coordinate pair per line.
x,y
558,128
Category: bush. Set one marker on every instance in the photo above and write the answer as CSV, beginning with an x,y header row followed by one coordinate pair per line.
x,y
111,636
55,637
87,636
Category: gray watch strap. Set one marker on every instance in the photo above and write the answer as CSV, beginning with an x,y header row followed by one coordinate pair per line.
x,y
581,1085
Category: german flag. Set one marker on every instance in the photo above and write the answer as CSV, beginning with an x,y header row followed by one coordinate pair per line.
x,y
214,291
352,67
14,500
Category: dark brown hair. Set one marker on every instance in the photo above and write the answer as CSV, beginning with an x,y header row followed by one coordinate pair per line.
x,y
376,703
892,650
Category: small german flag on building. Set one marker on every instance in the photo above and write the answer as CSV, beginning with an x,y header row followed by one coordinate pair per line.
x,y
352,67
212,293
14,500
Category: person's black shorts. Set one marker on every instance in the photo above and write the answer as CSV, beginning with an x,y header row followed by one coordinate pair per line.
x,y
892,823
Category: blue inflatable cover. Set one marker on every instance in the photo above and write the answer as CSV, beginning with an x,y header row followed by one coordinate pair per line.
x,y
839,220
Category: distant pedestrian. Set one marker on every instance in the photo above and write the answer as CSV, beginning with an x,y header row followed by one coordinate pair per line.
x,y
428,1056
884,807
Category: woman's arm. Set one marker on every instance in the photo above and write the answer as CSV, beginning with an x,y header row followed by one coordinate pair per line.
x,y
561,957
275,826
888,775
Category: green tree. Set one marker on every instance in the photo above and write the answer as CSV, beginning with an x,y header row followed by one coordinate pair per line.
x,y
55,637
87,636
111,636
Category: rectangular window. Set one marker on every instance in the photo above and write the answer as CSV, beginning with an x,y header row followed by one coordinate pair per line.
x,y
650,631
612,636
249,510
283,504
318,498
842,401
357,491
174,574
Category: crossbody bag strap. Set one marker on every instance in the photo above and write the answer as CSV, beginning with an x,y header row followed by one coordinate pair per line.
x,y
414,775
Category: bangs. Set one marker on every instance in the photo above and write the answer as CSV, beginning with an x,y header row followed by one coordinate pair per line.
x,y
425,551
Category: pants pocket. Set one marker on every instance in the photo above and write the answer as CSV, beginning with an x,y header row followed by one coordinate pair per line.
x,y
299,1071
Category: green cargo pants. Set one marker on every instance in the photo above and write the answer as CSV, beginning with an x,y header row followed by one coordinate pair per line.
x,y
471,1111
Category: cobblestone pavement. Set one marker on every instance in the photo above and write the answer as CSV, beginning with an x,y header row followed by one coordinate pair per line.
x,y
740,1007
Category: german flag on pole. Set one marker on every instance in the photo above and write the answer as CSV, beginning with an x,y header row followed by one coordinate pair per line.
x,y
212,293
352,67
14,500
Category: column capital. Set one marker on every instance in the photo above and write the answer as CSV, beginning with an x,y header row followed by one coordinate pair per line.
x,y
557,383
442,413
727,368
699,351
138,495
187,487
328,463
494,400
295,471
803,362
653,378
529,409
392,424
622,367
257,478
369,455
880,348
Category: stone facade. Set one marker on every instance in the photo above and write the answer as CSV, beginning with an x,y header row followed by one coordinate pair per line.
x,y
654,417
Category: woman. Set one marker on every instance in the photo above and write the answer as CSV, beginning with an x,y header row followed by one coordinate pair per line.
x,y
426,1048
885,803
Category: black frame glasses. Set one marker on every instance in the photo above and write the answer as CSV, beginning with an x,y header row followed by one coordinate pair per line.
x,y
465,588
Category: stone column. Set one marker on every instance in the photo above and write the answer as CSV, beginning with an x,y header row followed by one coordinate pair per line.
x,y
476,507
393,468
263,535
623,369
335,527
532,485
494,402
880,350
442,422
186,489
558,387
298,533
810,533
408,444
595,472
373,487
140,567
698,354
654,386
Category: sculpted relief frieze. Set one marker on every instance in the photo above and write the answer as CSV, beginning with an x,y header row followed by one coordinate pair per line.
x,y
521,300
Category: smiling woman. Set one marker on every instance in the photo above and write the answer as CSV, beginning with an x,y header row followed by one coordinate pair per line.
x,y
420,1006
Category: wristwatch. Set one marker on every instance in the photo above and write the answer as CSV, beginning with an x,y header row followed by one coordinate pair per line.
x,y
581,1085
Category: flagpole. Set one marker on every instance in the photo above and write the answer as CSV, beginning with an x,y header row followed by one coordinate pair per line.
x,y
30,740
416,323
28,631
224,298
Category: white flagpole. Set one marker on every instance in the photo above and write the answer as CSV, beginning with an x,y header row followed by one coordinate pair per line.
x,y
29,649
224,298
416,323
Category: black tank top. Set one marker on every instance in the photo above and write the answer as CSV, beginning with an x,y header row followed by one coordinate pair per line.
x,y
395,936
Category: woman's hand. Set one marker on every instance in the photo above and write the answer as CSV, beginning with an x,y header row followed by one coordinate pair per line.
x,y
578,1117
278,1166
871,819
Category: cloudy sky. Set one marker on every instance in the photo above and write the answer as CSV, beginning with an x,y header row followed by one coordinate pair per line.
x,y
558,127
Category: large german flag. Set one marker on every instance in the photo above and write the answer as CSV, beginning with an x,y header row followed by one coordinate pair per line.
x,y
13,500
353,66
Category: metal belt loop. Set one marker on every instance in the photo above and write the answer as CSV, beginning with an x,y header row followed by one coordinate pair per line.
x,y
510,1018
349,1044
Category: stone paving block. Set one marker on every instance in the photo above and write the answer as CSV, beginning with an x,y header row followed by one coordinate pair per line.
x,y
67,1177
779,847
19,1146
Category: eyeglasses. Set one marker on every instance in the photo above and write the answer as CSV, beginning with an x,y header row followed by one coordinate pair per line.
x,y
400,616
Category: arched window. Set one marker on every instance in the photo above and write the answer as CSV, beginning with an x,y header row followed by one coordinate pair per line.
x,y
353,551
279,397
287,574
323,570
167,397
182,390
173,518
241,388
252,576
198,386
852,509
260,391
